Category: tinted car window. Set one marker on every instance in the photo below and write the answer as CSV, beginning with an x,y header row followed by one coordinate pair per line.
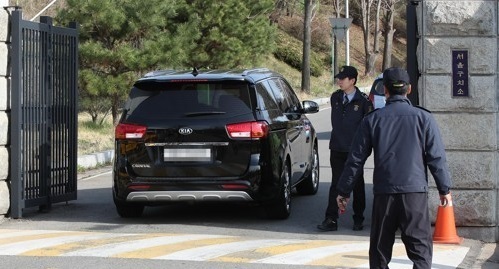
x,y
378,87
377,93
293,101
177,100
280,94
265,99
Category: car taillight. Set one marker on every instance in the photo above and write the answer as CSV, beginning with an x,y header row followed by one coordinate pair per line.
x,y
139,187
129,131
251,130
234,187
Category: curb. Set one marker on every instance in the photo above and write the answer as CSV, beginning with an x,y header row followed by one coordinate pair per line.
x,y
321,101
95,159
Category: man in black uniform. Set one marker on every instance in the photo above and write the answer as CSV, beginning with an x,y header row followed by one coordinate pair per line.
x,y
348,107
406,141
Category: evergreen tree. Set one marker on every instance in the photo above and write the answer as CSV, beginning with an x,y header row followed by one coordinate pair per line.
x,y
119,39
230,33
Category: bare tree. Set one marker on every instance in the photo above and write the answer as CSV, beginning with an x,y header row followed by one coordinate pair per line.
x,y
371,50
307,40
377,32
389,7
283,6
337,8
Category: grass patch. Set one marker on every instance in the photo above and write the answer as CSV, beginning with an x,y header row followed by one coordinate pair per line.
x,y
93,137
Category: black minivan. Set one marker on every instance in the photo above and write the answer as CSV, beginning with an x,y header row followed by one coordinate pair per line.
x,y
214,135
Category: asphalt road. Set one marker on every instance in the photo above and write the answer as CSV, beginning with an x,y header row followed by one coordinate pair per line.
x,y
88,233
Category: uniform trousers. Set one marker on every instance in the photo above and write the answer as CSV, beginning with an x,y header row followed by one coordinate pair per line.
x,y
409,213
337,161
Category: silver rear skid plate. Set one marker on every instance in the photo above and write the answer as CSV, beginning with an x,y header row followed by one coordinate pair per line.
x,y
164,196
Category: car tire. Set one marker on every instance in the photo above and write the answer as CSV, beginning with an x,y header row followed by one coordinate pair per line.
x,y
129,211
280,208
310,185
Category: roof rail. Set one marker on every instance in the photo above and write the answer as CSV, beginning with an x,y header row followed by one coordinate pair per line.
x,y
263,69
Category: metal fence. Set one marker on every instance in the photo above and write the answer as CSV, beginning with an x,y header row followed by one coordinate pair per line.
x,y
44,62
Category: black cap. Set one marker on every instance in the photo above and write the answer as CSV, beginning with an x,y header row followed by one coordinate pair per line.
x,y
347,72
395,77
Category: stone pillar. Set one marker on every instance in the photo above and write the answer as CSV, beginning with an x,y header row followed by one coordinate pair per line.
x,y
4,111
469,125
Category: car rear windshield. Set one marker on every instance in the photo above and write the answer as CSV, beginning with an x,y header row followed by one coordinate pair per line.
x,y
156,100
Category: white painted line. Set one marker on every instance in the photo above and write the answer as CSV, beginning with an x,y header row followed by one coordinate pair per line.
x,y
448,256
452,257
311,254
28,245
109,250
98,175
215,251
441,258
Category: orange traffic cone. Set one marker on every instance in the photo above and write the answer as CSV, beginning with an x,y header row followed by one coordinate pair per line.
x,y
445,226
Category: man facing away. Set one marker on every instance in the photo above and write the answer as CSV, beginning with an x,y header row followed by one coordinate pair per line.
x,y
348,107
406,141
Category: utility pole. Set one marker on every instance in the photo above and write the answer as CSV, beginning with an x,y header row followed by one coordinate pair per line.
x,y
347,36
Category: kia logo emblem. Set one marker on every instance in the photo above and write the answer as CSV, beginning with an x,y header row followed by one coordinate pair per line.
x,y
185,131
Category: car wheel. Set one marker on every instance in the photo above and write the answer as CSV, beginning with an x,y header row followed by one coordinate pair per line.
x,y
310,185
280,208
129,211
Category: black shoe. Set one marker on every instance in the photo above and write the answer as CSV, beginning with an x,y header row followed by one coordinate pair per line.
x,y
328,225
358,227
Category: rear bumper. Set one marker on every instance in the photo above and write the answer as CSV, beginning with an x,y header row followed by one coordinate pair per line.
x,y
258,184
175,196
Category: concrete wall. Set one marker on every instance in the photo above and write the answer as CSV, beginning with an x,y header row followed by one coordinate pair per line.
x,y
469,125
4,111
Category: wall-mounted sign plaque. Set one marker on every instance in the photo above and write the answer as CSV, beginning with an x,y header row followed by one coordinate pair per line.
x,y
460,75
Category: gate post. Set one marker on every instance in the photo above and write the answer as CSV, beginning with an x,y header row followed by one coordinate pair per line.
x,y
4,109
458,59
16,180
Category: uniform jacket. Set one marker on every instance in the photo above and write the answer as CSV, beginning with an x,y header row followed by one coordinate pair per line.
x,y
406,141
345,119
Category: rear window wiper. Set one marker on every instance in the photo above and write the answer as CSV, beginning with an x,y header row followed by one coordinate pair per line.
x,y
203,113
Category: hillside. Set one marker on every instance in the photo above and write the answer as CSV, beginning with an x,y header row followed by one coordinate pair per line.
x,y
291,27
321,44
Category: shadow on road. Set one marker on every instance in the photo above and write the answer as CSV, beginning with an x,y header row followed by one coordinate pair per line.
x,y
94,210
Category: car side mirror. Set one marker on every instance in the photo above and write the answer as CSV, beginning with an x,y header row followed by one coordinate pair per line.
x,y
310,107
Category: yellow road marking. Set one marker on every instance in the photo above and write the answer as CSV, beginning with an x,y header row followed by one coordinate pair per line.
x,y
22,238
270,251
68,247
313,252
148,253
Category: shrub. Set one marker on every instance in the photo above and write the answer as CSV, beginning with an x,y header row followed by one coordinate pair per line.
x,y
293,57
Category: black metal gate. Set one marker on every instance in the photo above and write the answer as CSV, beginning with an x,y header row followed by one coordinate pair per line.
x,y
44,61
412,46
